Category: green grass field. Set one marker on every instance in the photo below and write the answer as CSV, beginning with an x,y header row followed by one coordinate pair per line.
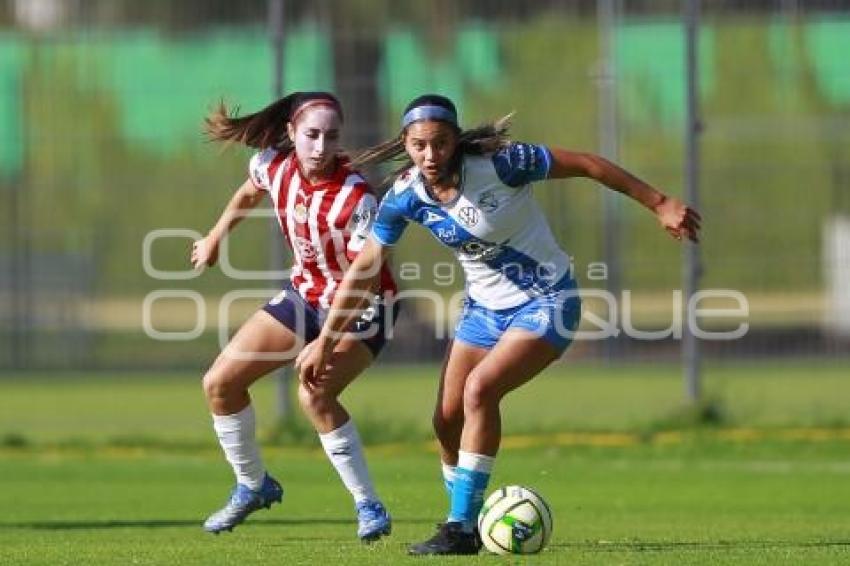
x,y
123,469
394,404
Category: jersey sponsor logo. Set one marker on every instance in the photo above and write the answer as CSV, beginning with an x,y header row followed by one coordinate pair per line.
x,y
447,235
488,202
305,249
431,216
469,215
300,213
478,250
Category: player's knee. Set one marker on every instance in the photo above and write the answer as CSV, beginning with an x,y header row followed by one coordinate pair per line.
x,y
314,400
209,384
217,386
305,398
479,394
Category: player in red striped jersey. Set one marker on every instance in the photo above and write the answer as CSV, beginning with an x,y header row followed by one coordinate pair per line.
x,y
325,211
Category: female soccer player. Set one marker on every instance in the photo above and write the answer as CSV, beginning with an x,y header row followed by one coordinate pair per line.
x,y
325,210
472,191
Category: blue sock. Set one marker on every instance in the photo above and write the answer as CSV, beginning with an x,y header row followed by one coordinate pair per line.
x,y
471,477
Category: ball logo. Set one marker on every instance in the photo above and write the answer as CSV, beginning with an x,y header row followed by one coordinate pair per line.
x,y
468,215
305,249
521,531
300,213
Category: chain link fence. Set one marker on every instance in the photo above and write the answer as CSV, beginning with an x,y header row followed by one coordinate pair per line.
x,y
106,177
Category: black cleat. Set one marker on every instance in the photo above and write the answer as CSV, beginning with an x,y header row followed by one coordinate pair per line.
x,y
449,539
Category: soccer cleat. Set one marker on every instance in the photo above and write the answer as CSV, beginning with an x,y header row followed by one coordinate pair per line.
x,y
244,501
450,539
373,521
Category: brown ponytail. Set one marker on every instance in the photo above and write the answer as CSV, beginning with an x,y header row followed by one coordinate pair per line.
x,y
266,127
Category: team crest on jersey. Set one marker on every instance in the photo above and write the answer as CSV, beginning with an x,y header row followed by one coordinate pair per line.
x,y
469,215
305,249
488,201
300,213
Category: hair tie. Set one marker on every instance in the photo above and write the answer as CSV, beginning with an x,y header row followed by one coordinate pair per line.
x,y
428,112
315,102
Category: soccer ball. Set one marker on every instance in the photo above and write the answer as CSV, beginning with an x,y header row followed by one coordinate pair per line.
x,y
515,520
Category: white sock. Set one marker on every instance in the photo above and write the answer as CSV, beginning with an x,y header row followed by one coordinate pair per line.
x,y
345,452
475,462
236,434
449,473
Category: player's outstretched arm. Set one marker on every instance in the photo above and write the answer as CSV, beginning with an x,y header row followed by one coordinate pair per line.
x,y
674,216
205,250
351,297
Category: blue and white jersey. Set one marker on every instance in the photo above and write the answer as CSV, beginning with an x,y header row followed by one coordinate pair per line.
x,y
494,226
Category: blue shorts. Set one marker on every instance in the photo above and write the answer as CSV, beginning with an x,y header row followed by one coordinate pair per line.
x,y
371,328
554,317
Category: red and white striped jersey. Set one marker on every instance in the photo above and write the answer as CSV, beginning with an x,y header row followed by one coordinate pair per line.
x,y
325,224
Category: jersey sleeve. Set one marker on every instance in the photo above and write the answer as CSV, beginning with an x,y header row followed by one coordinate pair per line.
x,y
258,168
521,163
360,223
391,220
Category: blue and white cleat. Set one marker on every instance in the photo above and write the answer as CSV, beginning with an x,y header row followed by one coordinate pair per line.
x,y
244,501
373,521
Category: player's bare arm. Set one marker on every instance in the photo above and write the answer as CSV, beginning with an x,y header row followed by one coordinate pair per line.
x,y
674,216
205,250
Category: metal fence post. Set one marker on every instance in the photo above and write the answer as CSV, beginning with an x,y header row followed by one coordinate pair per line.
x,y
275,25
692,268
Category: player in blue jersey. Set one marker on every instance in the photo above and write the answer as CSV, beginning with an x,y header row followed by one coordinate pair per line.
x,y
472,190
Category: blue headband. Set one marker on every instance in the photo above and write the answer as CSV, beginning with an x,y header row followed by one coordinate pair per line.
x,y
430,112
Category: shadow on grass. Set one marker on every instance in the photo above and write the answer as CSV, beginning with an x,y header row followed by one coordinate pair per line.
x,y
169,523
650,546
